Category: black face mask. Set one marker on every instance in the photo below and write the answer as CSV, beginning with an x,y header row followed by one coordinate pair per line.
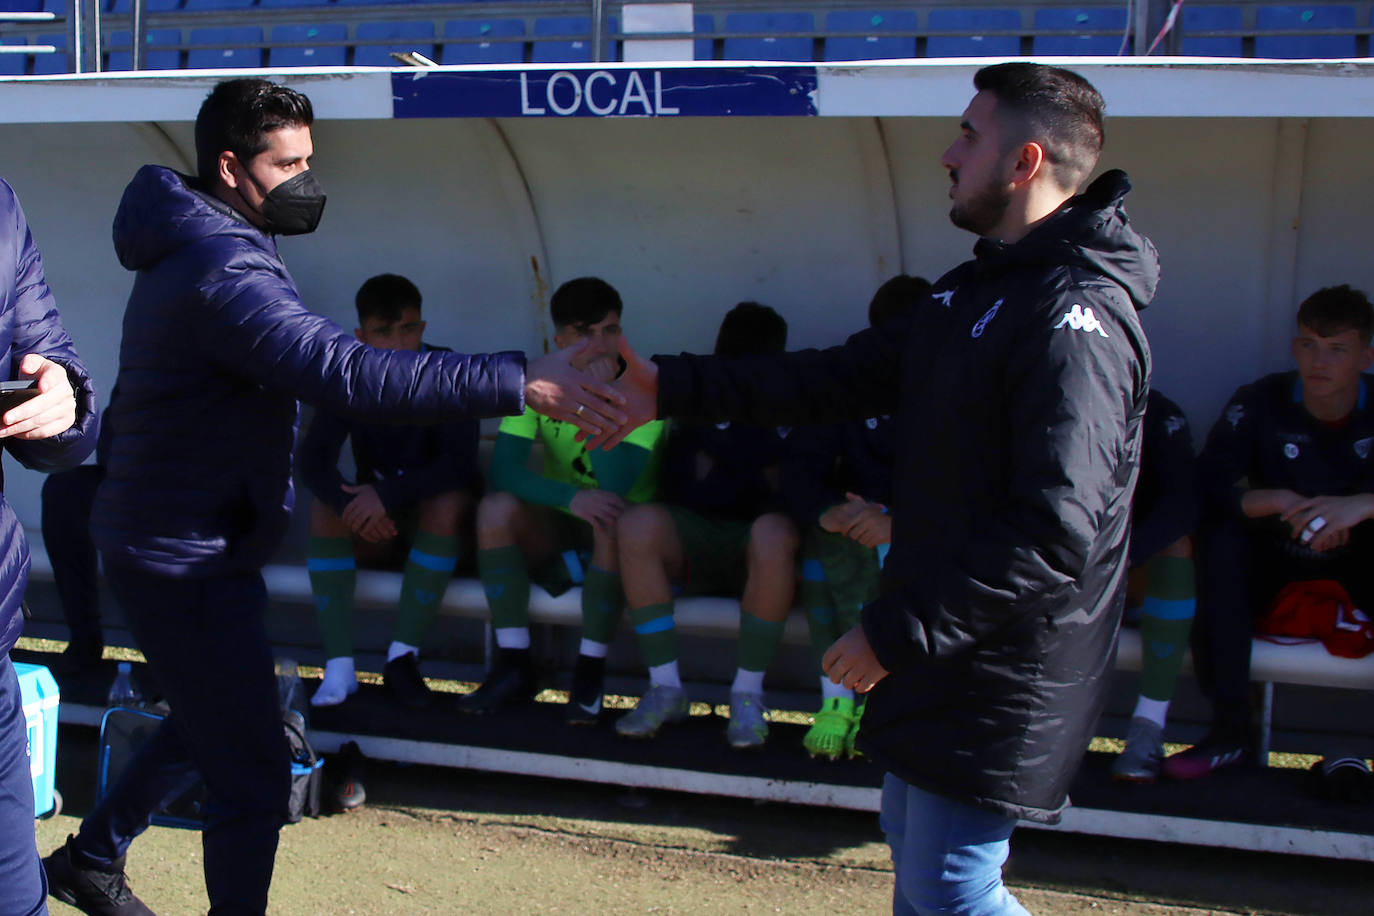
x,y
293,207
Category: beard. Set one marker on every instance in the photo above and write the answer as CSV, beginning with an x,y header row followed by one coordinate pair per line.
x,y
983,209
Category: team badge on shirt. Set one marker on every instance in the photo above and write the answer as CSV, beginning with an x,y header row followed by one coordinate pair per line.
x,y
982,323
1362,447
1290,450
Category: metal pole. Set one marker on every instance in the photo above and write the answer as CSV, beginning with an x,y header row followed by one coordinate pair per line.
x,y
94,42
597,10
138,35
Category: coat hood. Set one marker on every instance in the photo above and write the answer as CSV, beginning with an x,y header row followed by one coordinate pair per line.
x,y
1091,231
162,211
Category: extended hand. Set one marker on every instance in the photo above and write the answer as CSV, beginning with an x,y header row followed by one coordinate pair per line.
x,y
1324,522
600,507
850,662
366,516
638,387
555,388
51,411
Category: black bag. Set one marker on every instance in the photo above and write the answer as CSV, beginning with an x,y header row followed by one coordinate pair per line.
x,y
307,770
123,731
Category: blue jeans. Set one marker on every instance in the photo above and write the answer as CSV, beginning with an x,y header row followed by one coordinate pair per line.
x,y
23,886
947,855
206,643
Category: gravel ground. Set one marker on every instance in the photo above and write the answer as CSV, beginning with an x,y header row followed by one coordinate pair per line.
x,y
443,841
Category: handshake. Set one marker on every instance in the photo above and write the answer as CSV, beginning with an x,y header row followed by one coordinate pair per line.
x,y
605,409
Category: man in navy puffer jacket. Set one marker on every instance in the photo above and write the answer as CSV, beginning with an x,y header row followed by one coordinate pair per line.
x,y
217,348
49,432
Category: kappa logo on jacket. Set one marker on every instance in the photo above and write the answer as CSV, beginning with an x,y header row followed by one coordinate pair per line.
x,y
1080,319
982,323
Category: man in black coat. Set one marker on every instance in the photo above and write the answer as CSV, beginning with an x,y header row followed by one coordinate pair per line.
x,y
1019,388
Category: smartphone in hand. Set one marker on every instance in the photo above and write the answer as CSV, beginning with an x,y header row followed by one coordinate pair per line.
x,y
14,393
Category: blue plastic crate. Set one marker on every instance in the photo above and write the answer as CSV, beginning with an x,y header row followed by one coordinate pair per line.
x,y
39,694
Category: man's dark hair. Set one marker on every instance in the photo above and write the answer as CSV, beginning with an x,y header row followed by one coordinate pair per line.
x,y
583,302
1055,107
384,297
896,296
1337,309
238,114
749,329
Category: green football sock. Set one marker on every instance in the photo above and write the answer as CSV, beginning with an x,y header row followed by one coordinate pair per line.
x,y
1166,620
758,640
333,578
429,569
656,633
603,600
507,584
820,609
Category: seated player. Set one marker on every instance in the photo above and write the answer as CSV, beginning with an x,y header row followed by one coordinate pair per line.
x,y
548,523
1162,595
1288,490
842,554
414,490
733,493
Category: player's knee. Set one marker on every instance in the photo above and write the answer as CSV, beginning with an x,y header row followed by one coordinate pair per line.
x,y
496,514
1181,549
440,513
639,531
773,537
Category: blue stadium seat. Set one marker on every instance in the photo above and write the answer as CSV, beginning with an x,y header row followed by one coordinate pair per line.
x,y
305,55
1206,18
769,48
219,4
13,64
484,52
974,44
575,50
1084,18
411,36
119,58
224,46
704,48
874,45
1296,18
150,6
52,63
21,6
289,4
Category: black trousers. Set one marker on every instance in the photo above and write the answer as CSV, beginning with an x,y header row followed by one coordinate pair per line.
x,y
206,643
66,518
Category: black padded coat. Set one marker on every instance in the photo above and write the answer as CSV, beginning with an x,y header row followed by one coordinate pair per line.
x,y
1018,390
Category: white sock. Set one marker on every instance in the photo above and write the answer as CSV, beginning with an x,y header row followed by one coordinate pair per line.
x,y
747,681
592,649
397,649
339,683
665,675
832,691
1154,710
513,637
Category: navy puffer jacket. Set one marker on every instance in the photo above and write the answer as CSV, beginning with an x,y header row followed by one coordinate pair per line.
x,y
29,323
217,349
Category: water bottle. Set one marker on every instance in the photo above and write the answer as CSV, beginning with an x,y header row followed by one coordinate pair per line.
x,y
122,691
290,690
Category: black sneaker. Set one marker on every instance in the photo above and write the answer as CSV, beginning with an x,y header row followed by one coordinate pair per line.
x,y
404,683
99,893
1212,753
584,699
79,656
511,680
349,764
